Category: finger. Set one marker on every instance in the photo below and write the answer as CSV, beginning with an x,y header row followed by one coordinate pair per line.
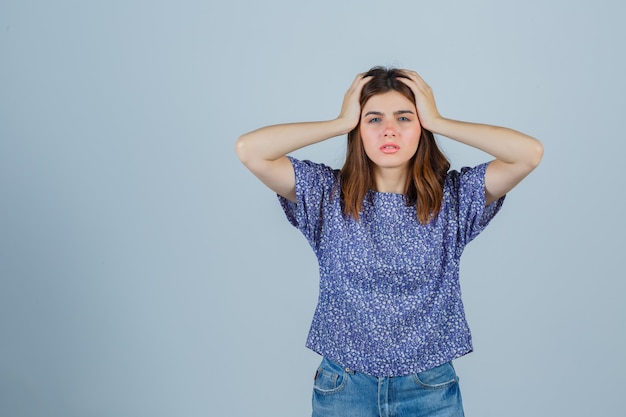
x,y
411,83
417,84
413,75
420,81
360,79
365,78
359,83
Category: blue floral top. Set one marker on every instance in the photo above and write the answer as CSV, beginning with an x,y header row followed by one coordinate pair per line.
x,y
389,301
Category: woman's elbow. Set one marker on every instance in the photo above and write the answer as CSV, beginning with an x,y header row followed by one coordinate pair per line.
x,y
242,149
535,154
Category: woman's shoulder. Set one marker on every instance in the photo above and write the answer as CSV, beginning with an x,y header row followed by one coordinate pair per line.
x,y
314,172
310,164
466,174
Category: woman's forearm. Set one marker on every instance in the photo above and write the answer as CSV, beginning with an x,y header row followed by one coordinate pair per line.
x,y
271,142
504,144
510,147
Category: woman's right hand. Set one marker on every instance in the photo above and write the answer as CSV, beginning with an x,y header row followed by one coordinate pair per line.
x,y
351,107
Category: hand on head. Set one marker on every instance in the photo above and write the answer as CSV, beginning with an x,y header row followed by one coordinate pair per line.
x,y
424,98
351,107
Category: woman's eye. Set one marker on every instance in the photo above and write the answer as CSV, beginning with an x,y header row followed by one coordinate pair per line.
x,y
375,120
404,119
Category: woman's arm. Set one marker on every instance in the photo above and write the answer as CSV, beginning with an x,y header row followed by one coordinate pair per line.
x,y
516,154
263,151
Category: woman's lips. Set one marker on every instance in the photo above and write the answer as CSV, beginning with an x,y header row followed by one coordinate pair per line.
x,y
390,148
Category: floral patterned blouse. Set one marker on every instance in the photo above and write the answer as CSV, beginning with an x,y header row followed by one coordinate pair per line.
x,y
390,300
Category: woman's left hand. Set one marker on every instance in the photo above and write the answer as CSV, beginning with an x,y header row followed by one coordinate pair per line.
x,y
424,99
516,154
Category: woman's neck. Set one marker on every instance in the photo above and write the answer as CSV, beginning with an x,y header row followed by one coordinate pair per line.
x,y
390,180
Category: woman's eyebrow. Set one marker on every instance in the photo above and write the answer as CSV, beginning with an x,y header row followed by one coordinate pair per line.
x,y
378,113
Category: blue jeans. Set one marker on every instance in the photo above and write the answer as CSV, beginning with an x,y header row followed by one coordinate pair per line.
x,y
341,392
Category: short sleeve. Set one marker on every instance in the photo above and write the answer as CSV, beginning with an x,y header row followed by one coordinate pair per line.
x,y
314,186
468,188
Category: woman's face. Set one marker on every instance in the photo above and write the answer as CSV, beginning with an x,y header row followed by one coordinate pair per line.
x,y
390,129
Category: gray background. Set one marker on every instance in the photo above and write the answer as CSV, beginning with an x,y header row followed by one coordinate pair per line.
x,y
145,272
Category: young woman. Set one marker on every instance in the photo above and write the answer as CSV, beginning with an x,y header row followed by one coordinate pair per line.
x,y
388,230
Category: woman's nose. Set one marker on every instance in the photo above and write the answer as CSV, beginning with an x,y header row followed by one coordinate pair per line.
x,y
390,130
